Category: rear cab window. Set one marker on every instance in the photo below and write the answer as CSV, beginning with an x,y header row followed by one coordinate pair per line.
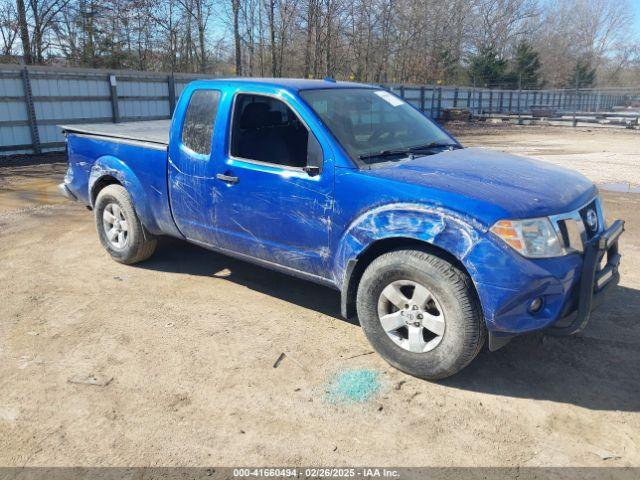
x,y
199,120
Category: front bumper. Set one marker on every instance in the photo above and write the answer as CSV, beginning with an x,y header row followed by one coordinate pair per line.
x,y
589,289
595,280
65,192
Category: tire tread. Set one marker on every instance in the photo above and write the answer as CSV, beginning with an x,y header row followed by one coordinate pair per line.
x,y
459,281
144,242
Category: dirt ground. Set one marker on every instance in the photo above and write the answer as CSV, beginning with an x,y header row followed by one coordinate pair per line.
x,y
181,352
603,155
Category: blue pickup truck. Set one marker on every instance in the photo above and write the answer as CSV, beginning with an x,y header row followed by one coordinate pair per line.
x,y
433,246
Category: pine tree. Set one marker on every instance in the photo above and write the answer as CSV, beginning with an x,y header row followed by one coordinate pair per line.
x,y
487,68
525,69
583,74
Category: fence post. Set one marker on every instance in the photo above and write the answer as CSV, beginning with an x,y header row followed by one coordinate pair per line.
x,y
455,98
31,112
519,106
439,102
469,101
500,108
113,88
510,102
575,104
480,102
402,92
171,84
422,98
433,98
587,102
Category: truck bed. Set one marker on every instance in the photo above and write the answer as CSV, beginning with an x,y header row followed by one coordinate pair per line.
x,y
155,131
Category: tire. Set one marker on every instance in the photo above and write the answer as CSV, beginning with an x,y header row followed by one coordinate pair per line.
x,y
136,243
452,311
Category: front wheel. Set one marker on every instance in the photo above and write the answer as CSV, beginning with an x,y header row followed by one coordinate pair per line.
x,y
119,228
420,313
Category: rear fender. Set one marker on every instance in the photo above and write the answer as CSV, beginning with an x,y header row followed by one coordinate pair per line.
x,y
111,166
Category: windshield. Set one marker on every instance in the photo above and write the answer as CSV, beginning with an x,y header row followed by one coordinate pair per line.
x,y
375,126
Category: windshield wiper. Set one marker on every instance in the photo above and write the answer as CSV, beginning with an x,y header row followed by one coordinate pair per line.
x,y
385,153
427,148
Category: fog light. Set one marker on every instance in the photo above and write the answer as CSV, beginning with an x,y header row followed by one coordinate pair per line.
x,y
536,305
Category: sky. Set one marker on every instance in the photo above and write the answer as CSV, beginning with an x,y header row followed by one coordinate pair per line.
x,y
635,33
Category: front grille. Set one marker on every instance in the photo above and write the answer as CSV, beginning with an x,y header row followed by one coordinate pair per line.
x,y
572,233
574,228
583,215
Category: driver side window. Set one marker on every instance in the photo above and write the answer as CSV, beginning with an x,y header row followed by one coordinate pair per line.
x,y
266,130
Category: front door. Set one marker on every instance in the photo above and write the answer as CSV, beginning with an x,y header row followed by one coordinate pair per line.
x,y
275,187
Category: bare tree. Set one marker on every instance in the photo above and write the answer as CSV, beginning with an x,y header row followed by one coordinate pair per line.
x,y
9,27
586,30
417,41
499,22
44,14
235,6
200,11
24,32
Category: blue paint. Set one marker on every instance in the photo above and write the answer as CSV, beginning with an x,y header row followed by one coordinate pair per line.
x,y
353,386
316,226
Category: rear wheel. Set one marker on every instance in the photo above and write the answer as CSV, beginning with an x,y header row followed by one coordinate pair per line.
x,y
119,228
421,313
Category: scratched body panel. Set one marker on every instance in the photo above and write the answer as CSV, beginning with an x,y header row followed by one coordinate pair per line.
x,y
317,226
141,168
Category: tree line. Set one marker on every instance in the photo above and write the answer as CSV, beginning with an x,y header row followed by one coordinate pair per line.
x,y
496,43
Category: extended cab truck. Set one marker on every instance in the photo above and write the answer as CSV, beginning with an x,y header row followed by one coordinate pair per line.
x,y
433,246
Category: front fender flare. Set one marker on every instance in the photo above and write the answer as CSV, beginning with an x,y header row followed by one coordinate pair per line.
x,y
445,229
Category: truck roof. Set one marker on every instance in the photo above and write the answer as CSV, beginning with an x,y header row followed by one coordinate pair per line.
x,y
294,84
156,132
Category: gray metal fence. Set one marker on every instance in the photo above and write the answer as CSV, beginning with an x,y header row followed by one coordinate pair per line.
x,y
34,100
434,100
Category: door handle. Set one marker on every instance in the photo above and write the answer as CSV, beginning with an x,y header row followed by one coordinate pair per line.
x,y
227,178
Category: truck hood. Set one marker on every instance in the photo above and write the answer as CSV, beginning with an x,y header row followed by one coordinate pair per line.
x,y
490,185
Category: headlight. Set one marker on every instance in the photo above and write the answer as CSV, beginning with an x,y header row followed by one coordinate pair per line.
x,y
534,238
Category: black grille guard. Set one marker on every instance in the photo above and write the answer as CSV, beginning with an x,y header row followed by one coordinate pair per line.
x,y
594,281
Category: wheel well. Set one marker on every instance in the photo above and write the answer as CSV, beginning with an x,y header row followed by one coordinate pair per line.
x,y
356,267
100,184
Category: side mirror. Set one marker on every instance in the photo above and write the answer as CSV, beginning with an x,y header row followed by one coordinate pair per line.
x,y
315,156
312,170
